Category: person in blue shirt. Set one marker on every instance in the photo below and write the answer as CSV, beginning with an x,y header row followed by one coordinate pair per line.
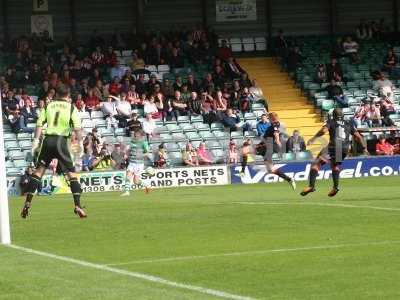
x,y
263,125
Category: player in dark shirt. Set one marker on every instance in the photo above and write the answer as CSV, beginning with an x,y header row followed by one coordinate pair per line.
x,y
340,132
273,142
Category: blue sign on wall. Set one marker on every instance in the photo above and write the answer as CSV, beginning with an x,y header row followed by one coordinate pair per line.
x,y
351,168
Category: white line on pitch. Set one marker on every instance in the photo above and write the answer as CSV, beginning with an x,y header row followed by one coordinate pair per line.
x,y
320,204
256,252
141,276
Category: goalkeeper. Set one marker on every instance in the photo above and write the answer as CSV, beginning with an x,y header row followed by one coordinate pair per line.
x,y
61,118
138,152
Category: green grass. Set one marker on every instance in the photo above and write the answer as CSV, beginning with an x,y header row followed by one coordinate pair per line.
x,y
208,221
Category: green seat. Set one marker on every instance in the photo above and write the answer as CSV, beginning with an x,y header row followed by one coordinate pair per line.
x,y
327,105
288,156
304,155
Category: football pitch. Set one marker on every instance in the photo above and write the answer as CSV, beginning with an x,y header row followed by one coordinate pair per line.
x,y
259,241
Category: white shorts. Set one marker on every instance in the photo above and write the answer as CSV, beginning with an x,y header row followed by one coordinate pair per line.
x,y
135,168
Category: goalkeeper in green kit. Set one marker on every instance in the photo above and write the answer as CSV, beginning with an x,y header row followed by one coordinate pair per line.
x,y
61,118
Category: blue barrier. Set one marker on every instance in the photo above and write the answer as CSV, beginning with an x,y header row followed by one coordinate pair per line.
x,y
351,168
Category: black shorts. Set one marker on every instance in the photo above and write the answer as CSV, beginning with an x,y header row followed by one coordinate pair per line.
x,y
330,154
54,146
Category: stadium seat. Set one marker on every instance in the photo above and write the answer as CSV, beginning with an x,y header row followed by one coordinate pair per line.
x,y
166,138
24,136
172,147
9,136
9,164
261,43
179,137
236,134
97,114
219,156
193,136
163,68
304,155
217,127
105,131
11,145
151,68
119,131
84,115
288,156
13,171
248,44
188,128
221,135
196,119
173,128
126,53
16,154
183,119
201,127
99,123
207,135
213,145
21,163
25,144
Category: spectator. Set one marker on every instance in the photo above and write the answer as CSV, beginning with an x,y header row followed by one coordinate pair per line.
x,y
220,104
203,155
383,83
124,110
11,106
25,178
137,65
281,45
245,100
149,126
189,156
363,31
294,59
161,160
151,108
321,75
224,52
233,154
208,108
179,105
28,112
295,143
133,124
93,142
383,147
362,114
232,121
375,115
350,48
119,157
194,104
334,71
335,92
192,83
109,110
103,161
110,58
233,69
87,160
92,102
263,125
115,86
133,97
390,63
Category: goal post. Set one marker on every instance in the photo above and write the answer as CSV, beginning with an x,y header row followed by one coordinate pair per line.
x,y
5,236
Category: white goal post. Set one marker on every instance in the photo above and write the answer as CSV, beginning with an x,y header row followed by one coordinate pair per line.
x,y
5,236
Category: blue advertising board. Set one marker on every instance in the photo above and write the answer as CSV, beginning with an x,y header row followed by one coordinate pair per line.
x,y
351,168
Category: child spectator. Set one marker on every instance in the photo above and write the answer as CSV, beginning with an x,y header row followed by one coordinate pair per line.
x,y
233,154
204,156
189,156
383,147
161,161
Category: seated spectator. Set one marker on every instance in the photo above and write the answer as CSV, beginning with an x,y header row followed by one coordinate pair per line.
x,y
383,83
161,159
334,71
263,125
28,111
176,60
103,161
245,100
234,71
179,105
149,126
203,155
189,156
233,154
320,75
115,86
11,104
192,83
375,115
151,108
362,114
208,108
97,56
220,104
350,48
335,92
119,157
92,102
387,108
87,160
133,125
363,31
140,84
177,86
167,88
150,85
109,110
128,76
110,58
232,121
219,77
93,142
79,103
295,143
224,52
194,104
383,147
18,123
245,81
294,59
133,97
390,62
124,110
137,64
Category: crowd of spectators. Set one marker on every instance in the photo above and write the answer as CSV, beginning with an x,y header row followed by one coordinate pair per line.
x,y
129,95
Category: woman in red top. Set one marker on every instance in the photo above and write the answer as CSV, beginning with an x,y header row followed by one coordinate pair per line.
x,y
92,102
383,147
115,87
